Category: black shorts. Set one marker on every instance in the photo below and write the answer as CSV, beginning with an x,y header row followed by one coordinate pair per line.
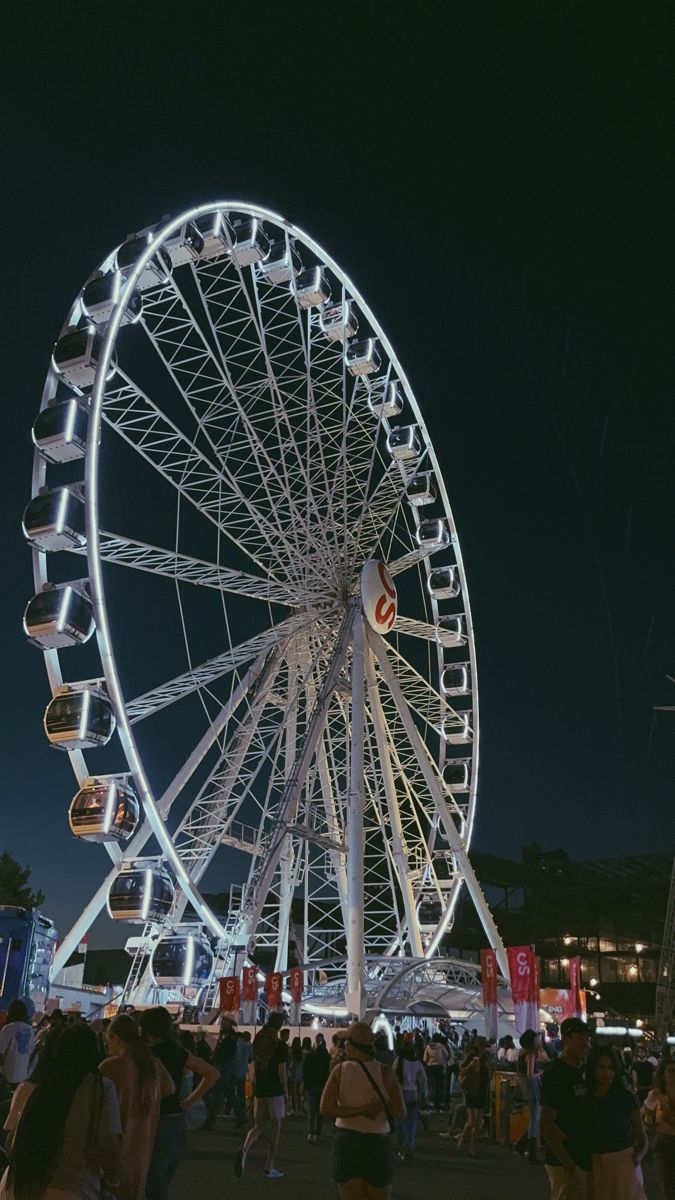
x,y
476,1100
362,1156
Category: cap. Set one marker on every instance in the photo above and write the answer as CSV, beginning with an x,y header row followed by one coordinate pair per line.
x,y
360,1035
574,1025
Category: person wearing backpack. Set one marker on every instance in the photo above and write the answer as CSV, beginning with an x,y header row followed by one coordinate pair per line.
x,y
474,1080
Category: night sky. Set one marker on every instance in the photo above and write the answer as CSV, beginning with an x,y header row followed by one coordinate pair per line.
x,y
494,179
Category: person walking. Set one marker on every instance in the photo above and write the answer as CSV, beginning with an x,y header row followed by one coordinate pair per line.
x,y
529,1067
643,1074
614,1128
224,1058
315,1071
66,1128
270,1095
17,1042
295,1065
141,1081
436,1061
243,1053
660,1107
413,1080
474,1079
365,1099
169,1146
563,1089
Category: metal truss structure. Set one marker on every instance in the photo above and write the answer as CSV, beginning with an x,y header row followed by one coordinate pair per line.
x,y
259,451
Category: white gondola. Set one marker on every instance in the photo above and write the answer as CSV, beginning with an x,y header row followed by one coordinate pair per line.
x,y
156,270
404,443
185,245
79,718
433,533
421,489
429,912
312,287
450,631
58,617
251,243
76,356
54,520
141,892
388,402
213,230
457,728
182,958
457,775
281,264
444,583
60,430
455,681
363,358
102,293
338,322
105,809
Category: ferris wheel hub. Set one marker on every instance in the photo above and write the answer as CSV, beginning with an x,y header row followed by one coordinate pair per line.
x,y
378,596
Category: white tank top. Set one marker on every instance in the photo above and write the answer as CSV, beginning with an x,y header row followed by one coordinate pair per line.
x,y
356,1089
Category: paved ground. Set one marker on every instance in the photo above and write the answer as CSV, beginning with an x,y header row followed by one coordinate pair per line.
x,y
436,1170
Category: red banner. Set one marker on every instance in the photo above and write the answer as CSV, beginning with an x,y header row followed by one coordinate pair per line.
x,y
295,984
561,1003
488,974
575,984
229,994
273,989
249,978
523,974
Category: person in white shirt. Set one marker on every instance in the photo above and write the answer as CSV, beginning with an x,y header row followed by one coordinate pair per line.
x,y
436,1062
413,1080
17,1042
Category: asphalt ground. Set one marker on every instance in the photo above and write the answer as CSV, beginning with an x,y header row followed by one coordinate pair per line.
x,y
435,1171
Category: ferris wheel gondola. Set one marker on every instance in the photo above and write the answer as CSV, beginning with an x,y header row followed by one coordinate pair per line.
x,y
224,367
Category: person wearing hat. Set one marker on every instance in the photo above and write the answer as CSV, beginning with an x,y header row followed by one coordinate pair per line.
x,y
365,1099
563,1126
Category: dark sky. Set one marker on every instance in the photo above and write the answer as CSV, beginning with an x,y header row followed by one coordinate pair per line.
x,y
494,179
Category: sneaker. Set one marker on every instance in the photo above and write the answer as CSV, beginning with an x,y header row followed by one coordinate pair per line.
x,y
401,1156
272,1173
240,1162
446,1134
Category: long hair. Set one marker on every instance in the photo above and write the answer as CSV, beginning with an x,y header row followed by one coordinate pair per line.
x,y
296,1050
126,1029
39,1136
598,1052
660,1075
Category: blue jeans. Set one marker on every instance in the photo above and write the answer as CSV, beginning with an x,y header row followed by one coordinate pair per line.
x,y
168,1151
407,1128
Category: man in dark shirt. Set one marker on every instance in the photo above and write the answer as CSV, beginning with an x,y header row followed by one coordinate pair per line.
x,y
270,1094
563,1090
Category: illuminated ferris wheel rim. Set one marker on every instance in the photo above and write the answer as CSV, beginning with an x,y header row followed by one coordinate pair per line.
x,y
159,236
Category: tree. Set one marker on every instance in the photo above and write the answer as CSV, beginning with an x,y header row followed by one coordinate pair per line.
x,y
14,886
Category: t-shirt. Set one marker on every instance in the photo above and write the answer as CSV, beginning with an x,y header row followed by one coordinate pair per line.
x,y
174,1058
608,1120
563,1089
16,1046
267,1079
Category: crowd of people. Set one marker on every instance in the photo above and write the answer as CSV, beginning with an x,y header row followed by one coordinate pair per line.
x,y
100,1111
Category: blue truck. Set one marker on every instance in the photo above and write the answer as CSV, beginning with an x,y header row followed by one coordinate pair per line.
x,y
27,948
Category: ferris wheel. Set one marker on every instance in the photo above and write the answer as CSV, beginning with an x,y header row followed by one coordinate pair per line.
x,y
250,596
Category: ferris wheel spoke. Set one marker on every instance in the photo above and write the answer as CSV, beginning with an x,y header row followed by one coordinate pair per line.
x,y
128,552
382,916
411,559
449,829
200,676
134,416
241,312
207,389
